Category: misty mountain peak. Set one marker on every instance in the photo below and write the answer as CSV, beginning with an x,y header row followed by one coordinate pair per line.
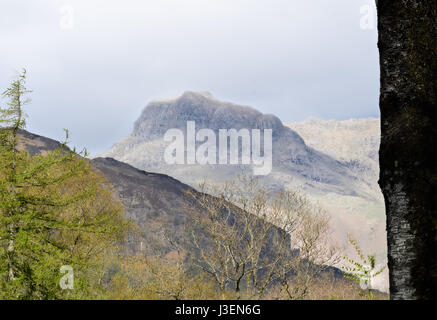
x,y
208,112
197,95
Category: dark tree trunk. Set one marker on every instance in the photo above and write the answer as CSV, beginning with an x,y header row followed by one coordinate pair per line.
x,y
408,153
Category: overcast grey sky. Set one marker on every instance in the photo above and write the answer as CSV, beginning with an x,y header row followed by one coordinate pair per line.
x,y
95,64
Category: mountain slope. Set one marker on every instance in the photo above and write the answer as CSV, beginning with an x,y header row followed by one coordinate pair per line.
x,y
354,142
346,186
157,203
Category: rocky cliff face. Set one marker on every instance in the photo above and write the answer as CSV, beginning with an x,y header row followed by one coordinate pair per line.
x,y
334,163
208,112
353,142
293,161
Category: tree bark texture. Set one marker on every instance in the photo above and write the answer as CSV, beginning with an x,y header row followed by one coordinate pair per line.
x,y
408,152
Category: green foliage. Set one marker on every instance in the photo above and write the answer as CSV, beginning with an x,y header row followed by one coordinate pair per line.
x,y
54,211
140,277
361,272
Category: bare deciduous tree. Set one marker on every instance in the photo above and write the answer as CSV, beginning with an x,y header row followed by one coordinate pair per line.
x,y
257,240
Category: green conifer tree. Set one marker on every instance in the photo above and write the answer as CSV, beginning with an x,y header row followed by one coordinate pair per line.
x,y
46,212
